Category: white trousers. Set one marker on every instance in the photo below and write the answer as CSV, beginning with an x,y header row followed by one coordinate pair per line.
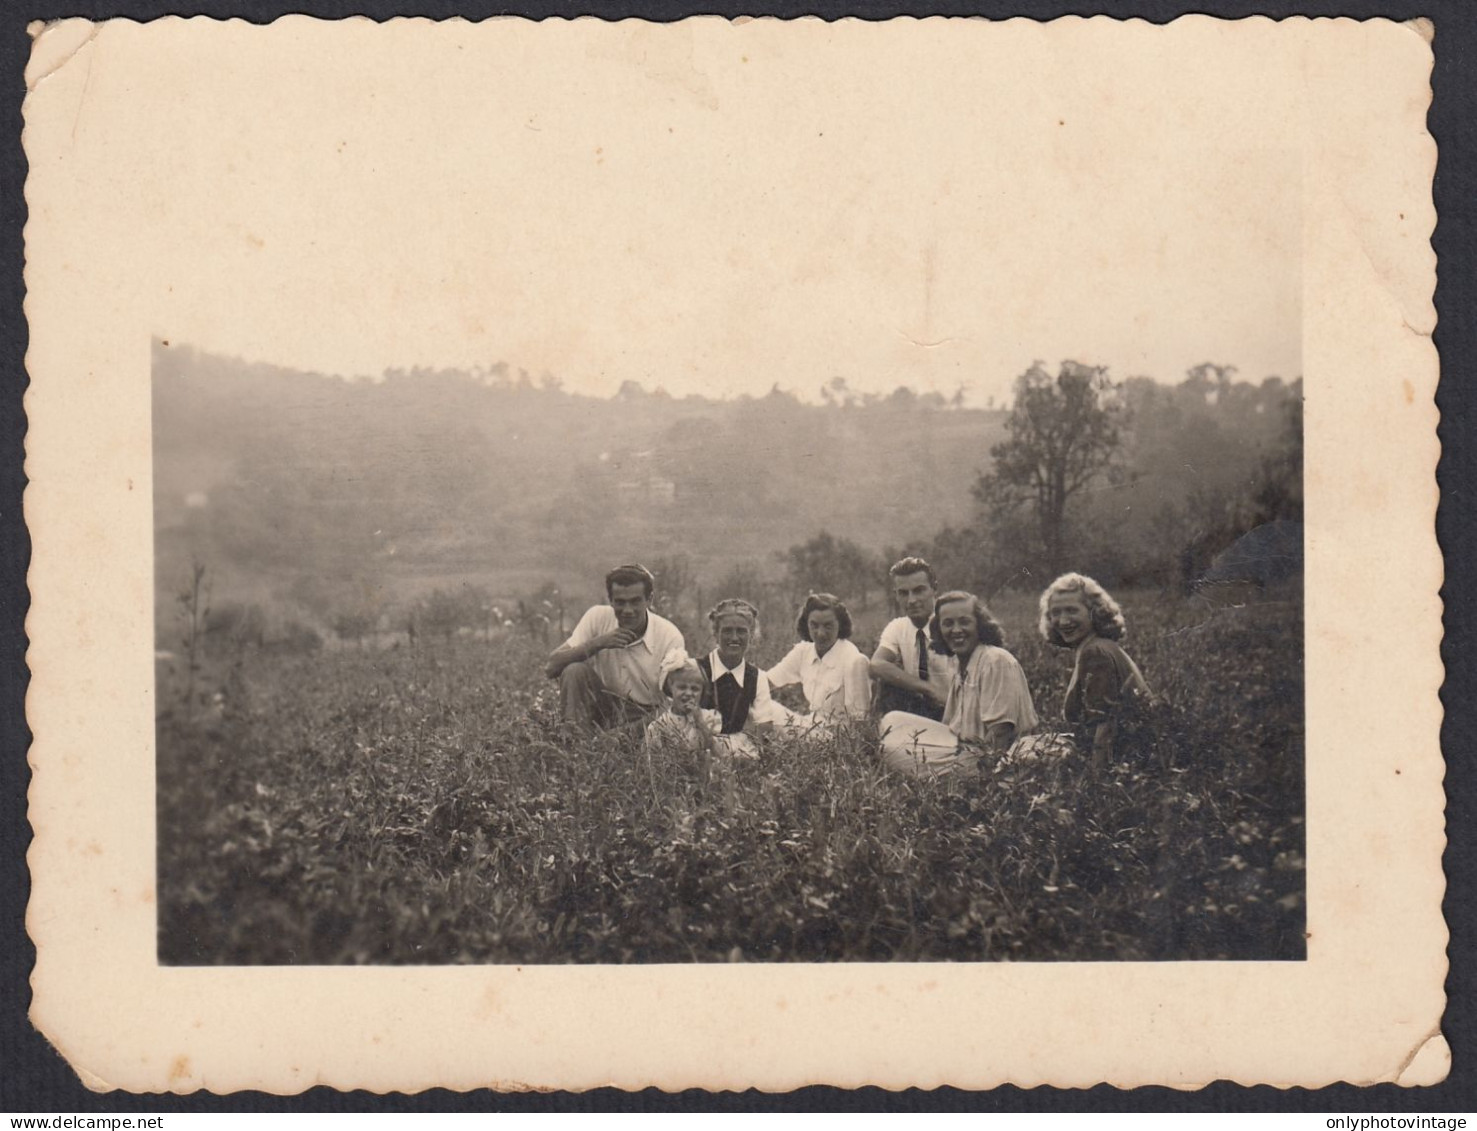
x,y
923,747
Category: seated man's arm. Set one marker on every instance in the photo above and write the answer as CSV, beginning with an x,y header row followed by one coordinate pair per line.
x,y
887,667
563,656
582,645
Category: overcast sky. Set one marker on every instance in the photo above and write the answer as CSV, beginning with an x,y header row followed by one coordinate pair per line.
x,y
716,208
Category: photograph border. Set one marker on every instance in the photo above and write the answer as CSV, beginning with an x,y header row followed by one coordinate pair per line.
x,y
1452,337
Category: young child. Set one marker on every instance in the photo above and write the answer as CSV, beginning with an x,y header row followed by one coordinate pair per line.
x,y
686,724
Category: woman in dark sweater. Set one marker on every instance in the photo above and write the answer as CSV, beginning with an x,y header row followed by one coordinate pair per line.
x,y
1107,695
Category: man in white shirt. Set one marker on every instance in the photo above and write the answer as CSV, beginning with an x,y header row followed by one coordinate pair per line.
x,y
912,678
609,668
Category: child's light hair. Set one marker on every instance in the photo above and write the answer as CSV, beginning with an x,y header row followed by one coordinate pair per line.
x,y
678,662
1107,617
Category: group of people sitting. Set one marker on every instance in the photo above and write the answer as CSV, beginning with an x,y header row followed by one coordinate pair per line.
x,y
948,693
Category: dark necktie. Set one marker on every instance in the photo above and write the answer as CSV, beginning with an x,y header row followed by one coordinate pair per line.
x,y
922,656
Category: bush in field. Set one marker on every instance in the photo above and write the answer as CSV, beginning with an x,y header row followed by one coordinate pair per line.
x,y
425,806
233,624
444,612
827,564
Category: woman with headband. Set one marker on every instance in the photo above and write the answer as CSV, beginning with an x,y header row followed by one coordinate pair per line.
x,y
737,689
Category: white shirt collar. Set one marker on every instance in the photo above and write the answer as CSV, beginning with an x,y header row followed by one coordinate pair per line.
x,y
646,637
832,652
719,670
979,650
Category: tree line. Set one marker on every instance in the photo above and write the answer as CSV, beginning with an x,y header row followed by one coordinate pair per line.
x,y
1133,482
357,511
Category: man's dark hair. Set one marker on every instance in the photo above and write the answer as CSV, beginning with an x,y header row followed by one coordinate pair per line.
x,y
914,565
630,575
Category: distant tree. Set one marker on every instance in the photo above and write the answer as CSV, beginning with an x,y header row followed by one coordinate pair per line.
x,y
1278,490
745,579
838,393
1062,436
749,580
295,638
674,581
836,565
546,601
477,606
984,561
352,624
1209,381
442,613
902,398
776,395
237,623
438,614
313,593
194,600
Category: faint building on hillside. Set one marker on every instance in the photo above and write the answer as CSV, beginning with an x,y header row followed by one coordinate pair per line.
x,y
649,489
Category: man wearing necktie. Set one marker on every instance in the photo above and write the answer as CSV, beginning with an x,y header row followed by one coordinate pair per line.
x,y
912,678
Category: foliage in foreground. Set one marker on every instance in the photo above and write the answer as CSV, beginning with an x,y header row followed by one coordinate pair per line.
x,y
422,805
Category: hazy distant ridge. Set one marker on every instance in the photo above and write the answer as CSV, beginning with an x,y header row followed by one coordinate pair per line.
x,y
268,473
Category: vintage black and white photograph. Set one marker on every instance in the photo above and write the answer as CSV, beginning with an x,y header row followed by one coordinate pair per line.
x,y
808,534
463,666
698,593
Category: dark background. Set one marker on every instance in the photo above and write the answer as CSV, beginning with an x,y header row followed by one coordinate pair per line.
x,y
34,1078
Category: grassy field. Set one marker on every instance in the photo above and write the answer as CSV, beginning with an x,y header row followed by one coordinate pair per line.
x,y
419,806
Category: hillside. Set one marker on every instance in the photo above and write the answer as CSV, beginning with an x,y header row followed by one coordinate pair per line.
x,y
286,483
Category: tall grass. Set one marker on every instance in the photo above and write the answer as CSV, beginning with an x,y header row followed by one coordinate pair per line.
x,y
425,806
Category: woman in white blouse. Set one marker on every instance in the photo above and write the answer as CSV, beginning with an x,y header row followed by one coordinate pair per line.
x,y
834,675
989,705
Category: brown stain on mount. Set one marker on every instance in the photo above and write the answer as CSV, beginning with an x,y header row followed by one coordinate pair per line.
x,y
489,1004
1409,390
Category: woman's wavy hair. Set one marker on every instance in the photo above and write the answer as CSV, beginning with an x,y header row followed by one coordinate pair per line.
x,y
1107,617
989,628
735,607
824,602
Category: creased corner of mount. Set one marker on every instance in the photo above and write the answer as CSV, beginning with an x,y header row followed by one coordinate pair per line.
x,y
54,45
1429,1064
